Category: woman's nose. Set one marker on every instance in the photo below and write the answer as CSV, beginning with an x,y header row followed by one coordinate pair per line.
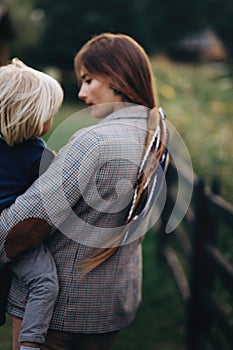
x,y
82,94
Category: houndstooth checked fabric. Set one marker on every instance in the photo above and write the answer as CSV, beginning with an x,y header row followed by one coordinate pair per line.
x,y
79,193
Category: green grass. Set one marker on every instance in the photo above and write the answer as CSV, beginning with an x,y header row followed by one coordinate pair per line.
x,y
69,119
5,336
198,101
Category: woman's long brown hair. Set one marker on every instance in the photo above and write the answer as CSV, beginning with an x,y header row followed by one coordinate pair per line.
x,y
124,63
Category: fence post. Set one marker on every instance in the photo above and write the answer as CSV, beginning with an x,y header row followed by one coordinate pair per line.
x,y
201,276
163,238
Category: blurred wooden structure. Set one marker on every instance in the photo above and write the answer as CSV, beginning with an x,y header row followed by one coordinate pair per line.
x,y
204,46
197,263
6,34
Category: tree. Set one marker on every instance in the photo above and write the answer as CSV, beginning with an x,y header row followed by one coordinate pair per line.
x,y
6,34
69,24
26,26
155,24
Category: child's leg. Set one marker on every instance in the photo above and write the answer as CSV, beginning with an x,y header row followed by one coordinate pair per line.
x,y
37,270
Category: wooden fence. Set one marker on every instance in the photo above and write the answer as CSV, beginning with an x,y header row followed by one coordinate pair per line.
x,y
204,273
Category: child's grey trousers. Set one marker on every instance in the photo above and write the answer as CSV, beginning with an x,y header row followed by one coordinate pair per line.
x,y
36,269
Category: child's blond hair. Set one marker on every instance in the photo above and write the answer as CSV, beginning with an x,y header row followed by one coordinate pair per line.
x,y
28,99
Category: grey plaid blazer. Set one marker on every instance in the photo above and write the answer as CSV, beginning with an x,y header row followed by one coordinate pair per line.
x,y
79,193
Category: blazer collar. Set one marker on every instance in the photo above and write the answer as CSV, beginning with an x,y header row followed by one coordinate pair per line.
x,y
132,112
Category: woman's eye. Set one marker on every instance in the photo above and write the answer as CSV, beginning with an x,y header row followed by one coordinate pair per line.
x,y
88,81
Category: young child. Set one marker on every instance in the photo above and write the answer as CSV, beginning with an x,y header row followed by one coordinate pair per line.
x,y
28,101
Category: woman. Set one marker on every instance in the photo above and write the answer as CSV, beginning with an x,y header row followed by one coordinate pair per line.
x,y
97,253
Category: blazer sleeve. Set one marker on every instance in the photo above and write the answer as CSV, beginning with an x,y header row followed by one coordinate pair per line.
x,y
50,199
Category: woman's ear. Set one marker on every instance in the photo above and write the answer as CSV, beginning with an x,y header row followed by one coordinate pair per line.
x,y
115,91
